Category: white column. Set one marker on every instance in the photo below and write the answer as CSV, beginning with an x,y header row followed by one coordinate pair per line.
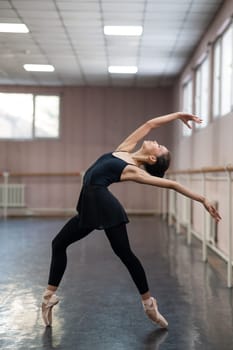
x,y
204,246
177,210
5,193
229,262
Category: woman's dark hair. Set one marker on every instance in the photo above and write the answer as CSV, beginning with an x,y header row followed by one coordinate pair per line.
x,y
160,166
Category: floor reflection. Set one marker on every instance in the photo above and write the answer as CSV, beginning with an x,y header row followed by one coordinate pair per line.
x,y
154,339
100,308
47,339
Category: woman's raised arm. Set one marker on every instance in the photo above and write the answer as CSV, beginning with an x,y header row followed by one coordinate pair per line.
x,y
130,142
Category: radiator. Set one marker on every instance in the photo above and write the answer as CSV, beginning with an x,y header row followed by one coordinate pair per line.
x,y
12,195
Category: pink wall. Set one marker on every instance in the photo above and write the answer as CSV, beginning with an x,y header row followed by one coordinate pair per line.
x,y
93,121
210,146
213,145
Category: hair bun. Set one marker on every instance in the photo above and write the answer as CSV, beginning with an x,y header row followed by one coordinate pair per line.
x,y
160,166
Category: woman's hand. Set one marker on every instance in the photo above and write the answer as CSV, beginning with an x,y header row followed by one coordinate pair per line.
x,y
213,212
185,118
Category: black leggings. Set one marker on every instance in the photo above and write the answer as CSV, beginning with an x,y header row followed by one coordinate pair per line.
x,y
119,241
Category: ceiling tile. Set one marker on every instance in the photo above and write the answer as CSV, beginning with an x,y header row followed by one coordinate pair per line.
x,y
33,5
122,7
78,6
69,35
5,4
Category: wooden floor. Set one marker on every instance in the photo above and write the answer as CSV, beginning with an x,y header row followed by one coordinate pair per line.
x,y
100,307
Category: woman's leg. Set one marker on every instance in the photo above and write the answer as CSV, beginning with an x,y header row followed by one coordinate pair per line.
x,y
119,241
69,234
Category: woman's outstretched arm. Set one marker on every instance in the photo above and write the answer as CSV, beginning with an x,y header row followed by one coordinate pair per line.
x,y
141,176
130,142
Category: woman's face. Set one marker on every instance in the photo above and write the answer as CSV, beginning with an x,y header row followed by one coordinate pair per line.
x,y
153,148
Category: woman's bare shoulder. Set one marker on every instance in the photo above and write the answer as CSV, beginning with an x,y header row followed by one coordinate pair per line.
x,y
131,172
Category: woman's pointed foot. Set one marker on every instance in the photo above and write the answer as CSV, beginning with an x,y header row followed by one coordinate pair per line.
x,y
48,302
151,309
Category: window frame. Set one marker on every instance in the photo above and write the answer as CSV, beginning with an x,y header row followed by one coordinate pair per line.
x,y
220,39
36,138
199,70
186,85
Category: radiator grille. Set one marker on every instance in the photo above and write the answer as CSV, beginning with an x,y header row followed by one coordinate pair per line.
x,y
12,196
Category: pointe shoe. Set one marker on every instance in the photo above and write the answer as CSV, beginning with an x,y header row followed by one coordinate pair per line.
x,y
46,308
154,314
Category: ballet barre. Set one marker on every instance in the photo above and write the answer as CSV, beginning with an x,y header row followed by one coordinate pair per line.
x,y
178,209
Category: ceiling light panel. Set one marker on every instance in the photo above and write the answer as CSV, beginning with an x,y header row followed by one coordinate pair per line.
x,y
122,69
123,30
13,28
38,67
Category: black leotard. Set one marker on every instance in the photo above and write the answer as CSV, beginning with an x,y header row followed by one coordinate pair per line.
x,y
97,207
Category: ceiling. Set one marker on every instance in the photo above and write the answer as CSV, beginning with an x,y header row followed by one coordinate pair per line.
x,y
69,35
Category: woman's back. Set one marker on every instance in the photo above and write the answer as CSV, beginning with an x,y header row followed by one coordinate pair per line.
x,y
97,207
106,170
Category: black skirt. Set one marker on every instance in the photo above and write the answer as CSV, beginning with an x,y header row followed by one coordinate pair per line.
x,y
99,209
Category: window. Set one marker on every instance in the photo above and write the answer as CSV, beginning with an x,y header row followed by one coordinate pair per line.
x,y
28,116
217,77
202,93
46,116
226,72
223,75
16,116
187,104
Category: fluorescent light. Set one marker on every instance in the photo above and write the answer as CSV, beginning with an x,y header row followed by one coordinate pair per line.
x,y
123,69
123,30
13,28
38,67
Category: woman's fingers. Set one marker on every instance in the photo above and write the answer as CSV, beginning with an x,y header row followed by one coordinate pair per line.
x,y
185,117
187,124
214,213
197,119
